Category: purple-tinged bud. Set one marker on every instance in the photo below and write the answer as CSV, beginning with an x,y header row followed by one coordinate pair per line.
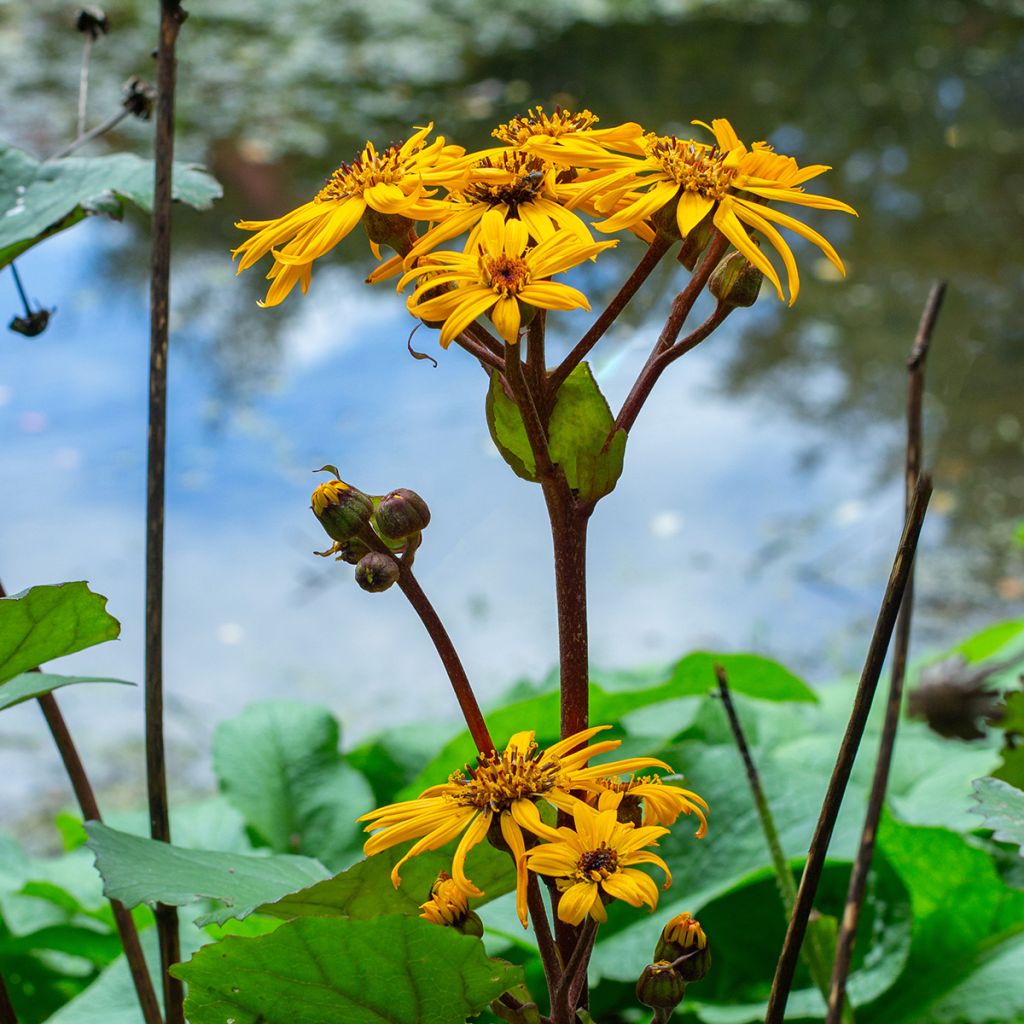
x,y
660,986
401,514
376,572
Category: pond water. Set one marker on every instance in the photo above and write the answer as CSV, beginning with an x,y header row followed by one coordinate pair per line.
x,y
761,500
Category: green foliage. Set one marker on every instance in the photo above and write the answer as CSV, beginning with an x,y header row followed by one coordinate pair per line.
x,y
29,685
279,764
47,622
43,198
364,891
137,870
580,424
1001,806
391,969
990,640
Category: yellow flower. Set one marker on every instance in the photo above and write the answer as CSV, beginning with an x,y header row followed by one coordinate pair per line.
x,y
448,903
498,274
520,186
595,861
537,127
684,930
662,804
727,180
500,792
394,182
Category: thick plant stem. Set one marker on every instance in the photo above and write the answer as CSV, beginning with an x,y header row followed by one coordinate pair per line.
x,y
91,812
171,17
894,703
563,1010
569,540
786,966
549,955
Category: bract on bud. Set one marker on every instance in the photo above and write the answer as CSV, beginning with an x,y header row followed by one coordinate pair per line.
x,y
695,243
401,514
664,221
343,511
376,572
660,986
390,229
681,935
449,906
736,281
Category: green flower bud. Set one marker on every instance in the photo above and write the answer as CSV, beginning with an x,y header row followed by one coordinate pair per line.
x,y
343,511
401,514
736,281
391,229
376,572
660,986
695,243
630,811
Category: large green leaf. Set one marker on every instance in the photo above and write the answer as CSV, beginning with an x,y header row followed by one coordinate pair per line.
x,y
580,424
508,431
1002,808
364,890
137,870
34,684
990,640
278,763
47,622
40,199
749,674
391,970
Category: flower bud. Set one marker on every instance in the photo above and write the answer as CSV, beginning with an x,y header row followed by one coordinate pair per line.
x,y
401,514
684,945
660,986
630,811
449,906
695,243
376,572
390,229
343,511
92,21
736,281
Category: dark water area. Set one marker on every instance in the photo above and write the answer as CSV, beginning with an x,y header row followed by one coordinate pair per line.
x,y
761,500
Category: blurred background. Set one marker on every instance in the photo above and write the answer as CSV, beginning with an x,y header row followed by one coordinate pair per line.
x,y
762,496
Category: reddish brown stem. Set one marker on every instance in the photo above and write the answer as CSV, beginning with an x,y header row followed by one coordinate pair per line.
x,y
894,703
171,17
681,306
650,259
549,955
91,812
880,639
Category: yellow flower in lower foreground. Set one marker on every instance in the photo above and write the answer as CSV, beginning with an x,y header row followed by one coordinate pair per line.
x,y
500,792
498,274
662,802
595,861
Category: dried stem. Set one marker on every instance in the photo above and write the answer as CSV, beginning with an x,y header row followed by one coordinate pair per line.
x,y
21,289
894,702
171,17
650,259
83,85
94,133
480,352
681,306
91,812
880,638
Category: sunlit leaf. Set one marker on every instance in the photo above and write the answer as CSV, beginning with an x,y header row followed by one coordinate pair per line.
x,y
47,622
34,684
508,431
1001,807
391,970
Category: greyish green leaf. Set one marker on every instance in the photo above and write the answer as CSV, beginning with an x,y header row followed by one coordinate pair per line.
x,y
391,970
508,431
37,199
278,763
137,870
1001,806
29,685
47,622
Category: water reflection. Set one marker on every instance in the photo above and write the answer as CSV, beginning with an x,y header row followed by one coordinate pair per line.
x,y
776,449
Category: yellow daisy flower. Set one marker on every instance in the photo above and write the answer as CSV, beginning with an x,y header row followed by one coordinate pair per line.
x,y
734,182
594,861
500,793
519,185
536,126
662,803
394,182
498,274
448,903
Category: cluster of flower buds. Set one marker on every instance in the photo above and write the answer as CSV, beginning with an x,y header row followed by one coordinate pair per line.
x,y
378,534
681,956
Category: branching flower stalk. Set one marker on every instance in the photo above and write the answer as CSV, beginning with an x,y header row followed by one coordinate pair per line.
x,y
530,210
